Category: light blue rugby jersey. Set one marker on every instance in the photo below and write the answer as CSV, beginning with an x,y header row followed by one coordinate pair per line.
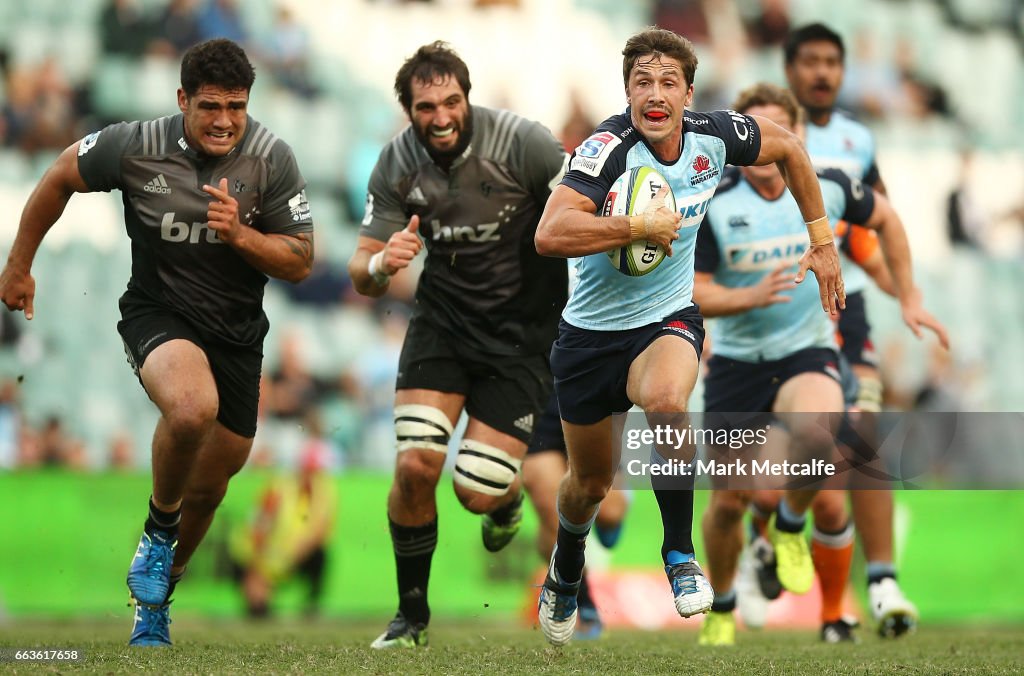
x,y
847,145
607,300
745,237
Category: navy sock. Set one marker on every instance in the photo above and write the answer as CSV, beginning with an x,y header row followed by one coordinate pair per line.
x,y
724,603
675,500
878,571
788,522
414,549
570,547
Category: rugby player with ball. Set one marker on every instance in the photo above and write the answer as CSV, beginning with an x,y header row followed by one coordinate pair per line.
x,y
619,338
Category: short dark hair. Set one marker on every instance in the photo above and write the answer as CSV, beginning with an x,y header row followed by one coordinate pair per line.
x,y
435,61
219,62
656,42
766,94
812,32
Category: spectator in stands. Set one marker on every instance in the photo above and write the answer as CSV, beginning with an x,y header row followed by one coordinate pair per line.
x,y
771,25
222,19
124,29
177,28
966,224
287,54
11,424
39,111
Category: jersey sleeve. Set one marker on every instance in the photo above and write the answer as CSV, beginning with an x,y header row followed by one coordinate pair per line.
x,y
100,153
597,162
540,161
872,175
706,256
740,133
285,209
385,212
859,198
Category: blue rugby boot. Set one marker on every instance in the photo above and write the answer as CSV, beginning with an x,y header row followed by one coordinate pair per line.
x,y
150,574
692,591
152,626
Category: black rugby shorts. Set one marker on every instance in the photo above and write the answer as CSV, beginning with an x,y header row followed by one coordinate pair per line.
x,y
236,370
504,392
855,331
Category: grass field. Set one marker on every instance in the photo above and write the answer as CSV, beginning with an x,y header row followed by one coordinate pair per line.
x,y
334,647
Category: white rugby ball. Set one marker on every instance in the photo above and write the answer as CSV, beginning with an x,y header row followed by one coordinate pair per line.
x,y
629,195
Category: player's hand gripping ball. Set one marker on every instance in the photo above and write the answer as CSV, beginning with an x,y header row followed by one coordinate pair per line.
x,y
629,196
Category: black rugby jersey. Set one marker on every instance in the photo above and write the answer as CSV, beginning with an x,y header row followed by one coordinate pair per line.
x,y
177,260
483,281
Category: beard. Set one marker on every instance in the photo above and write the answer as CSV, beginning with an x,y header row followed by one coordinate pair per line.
x,y
446,157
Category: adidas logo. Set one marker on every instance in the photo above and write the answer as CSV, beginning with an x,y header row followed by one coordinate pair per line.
x,y
416,196
158,185
525,423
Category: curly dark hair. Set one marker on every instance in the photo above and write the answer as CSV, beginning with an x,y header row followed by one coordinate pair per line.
x,y
218,62
430,62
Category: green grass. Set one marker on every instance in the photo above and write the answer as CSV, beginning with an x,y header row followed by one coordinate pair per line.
x,y
202,646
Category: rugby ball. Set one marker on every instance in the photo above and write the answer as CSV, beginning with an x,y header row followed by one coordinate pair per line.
x,y
629,195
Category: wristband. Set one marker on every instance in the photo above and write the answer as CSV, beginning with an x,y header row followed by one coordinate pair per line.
x,y
381,278
820,231
637,227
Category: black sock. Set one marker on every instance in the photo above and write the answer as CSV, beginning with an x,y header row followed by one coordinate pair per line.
x,y
675,500
583,597
788,521
175,579
414,549
878,571
165,522
724,603
503,515
570,548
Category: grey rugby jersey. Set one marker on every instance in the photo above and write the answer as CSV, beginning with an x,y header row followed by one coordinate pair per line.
x,y
177,261
483,281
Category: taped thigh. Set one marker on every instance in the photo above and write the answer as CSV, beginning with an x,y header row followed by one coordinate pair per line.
x,y
484,468
420,426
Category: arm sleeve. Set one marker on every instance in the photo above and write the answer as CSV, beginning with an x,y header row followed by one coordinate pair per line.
x,y
541,161
860,199
385,211
872,175
740,133
596,163
285,209
100,153
706,256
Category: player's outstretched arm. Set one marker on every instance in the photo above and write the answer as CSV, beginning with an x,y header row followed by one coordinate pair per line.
x,y
374,262
287,257
787,150
716,300
896,249
43,208
569,227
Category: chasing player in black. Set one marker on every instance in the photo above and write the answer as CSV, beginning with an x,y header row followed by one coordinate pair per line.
x,y
214,204
473,182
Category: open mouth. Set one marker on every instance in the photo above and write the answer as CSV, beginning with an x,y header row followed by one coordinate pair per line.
x,y
656,115
219,136
442,133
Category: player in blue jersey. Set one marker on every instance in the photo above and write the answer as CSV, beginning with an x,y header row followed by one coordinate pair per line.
x,y
630,340
814,56
774,352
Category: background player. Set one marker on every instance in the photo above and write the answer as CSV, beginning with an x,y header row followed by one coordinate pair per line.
x,y
192,316
618,341
474,181
773,351
814,56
